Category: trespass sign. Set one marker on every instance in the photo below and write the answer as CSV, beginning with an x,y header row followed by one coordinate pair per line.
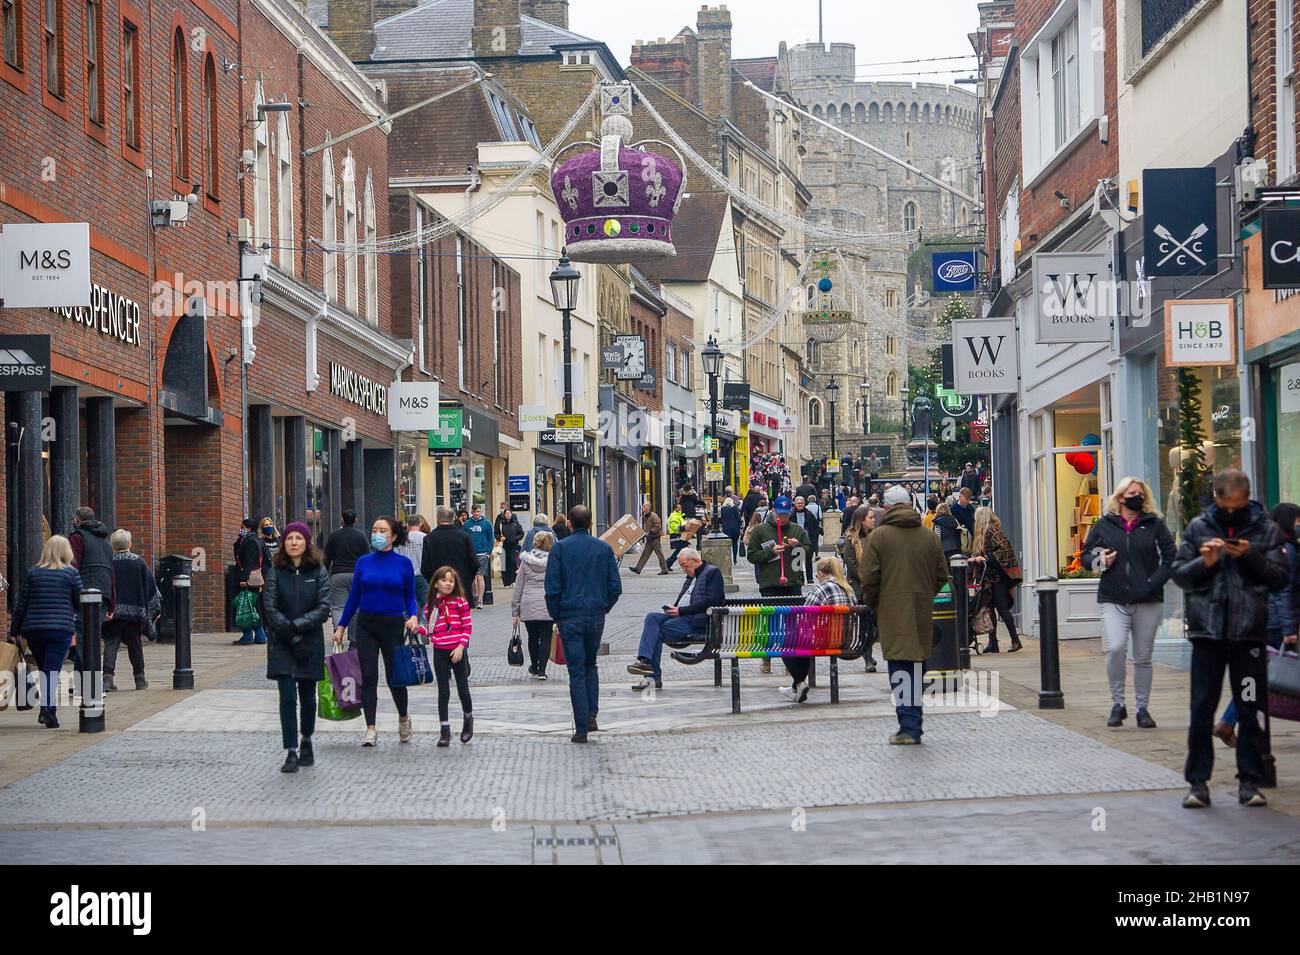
x,y
45,265
1200,332
985,356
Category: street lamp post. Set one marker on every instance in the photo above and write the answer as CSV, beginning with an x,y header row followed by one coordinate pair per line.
x,y
564,293
832,392
711,358
864,388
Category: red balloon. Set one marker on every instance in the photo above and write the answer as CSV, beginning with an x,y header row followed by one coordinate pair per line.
x,y
1069,458
1083,462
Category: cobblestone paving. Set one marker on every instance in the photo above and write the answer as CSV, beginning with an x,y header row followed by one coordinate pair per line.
x,y
1138,829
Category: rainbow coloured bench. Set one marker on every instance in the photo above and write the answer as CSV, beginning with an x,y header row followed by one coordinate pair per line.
x,y
766,628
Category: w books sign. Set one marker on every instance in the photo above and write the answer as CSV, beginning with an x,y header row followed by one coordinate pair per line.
x,y
984,357
1072,296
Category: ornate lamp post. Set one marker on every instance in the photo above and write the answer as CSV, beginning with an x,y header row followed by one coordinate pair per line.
x,y
711,358
564,293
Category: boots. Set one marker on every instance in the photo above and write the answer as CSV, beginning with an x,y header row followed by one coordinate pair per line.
x,y
140,682
467,729
444,736
306,756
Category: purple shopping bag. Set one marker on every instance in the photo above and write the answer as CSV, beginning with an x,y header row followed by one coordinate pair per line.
x,y
344,668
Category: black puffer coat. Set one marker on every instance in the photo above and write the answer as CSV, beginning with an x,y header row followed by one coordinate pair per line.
x,y
295,606
1143,558
1229,601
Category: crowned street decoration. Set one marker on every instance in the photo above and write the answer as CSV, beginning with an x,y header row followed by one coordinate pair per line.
x,y
617,199
826,316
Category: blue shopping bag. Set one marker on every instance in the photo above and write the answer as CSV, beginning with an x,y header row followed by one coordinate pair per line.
x,y
411,665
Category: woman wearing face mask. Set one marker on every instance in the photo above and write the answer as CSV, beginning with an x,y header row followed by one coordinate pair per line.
x,y
383,598
1135,552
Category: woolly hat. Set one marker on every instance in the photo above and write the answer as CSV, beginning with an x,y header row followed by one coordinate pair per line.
x,y
299,527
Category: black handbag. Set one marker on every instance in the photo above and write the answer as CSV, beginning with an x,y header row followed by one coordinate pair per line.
x,y
515,652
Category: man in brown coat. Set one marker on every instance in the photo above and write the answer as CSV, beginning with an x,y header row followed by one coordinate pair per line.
x,y
902,568
653,527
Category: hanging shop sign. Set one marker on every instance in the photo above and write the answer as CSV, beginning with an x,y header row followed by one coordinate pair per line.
x,y
480,432
1178,222
358,389
445,440
985,356
1073,293
45,265
735,395
789,423
519,483
647,382
1281,242
1289,399
413,405
532,417
633,366
24,362
612,357
1200,332
954,271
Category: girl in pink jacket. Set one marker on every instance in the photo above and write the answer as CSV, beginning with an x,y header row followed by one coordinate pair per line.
x,y
449,627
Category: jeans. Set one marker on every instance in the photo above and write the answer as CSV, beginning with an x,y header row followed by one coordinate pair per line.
x,y
1247,666
539,643
305,690
49,647
117,632
676,545
657,628
443,668
735,547
581,639
1120,624
377,633
253,635
905,691
1230,711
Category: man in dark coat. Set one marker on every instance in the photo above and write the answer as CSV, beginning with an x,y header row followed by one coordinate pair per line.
x,y
449,545
902,568
747,508
811,523
511,535
706,589
343,549
1230,559
970,479
92,555
582,586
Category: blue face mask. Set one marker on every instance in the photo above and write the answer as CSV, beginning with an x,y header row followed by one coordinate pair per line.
x,y
378,541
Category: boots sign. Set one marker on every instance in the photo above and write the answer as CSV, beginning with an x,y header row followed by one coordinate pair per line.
x,y
985,357
1073,296
45,265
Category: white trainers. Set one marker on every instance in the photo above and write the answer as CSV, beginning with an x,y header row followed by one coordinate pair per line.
x,y
404,729
788,693
801,691
371,737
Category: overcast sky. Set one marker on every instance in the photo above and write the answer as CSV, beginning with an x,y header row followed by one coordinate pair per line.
x,y
884,31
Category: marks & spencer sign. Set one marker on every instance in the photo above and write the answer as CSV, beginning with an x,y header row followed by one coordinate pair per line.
x,y
358,389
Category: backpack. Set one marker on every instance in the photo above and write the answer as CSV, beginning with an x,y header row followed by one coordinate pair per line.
x,y
966,540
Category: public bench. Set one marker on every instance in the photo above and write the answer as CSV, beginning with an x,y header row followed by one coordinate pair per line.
x,y
776,627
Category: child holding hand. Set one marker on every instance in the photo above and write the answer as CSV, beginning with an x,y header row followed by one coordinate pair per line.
x,y
448,629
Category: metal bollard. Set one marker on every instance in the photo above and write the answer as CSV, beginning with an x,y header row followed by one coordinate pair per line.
x,y
1050,696
183,674
90,718
961,609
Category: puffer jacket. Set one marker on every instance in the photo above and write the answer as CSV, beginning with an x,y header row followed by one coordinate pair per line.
x,y
949,532
1143,558
1282,604
296,604
528,601
1230,600
49,600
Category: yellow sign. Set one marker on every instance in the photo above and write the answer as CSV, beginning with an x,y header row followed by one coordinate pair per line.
x,y
713,470
832,465
571,421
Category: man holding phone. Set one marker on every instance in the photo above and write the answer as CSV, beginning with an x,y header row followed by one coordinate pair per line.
x,y
1230,559
702,589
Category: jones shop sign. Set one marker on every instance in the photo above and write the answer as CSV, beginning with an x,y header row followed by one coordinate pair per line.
x,y
1281,244
1200,332
985,359
1072,296
45,265
358,389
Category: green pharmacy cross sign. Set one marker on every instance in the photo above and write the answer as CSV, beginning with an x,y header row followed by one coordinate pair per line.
x,y
445,440
953,404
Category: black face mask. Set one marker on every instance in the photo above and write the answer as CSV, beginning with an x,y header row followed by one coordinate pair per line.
x,y
1234,520
1133,502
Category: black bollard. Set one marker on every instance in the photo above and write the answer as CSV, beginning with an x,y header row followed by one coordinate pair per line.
x,y
183,675
1050,696
960,609
90,646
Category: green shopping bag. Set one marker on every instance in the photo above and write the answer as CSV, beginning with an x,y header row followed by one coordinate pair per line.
x,y
327,704
246,615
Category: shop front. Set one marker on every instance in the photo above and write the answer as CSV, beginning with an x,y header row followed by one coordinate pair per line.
x,y
548,472
622,430
461,477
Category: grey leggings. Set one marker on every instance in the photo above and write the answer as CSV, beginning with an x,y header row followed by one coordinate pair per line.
x,y
1122,624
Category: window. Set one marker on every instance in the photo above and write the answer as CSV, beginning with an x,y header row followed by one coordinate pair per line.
x,y
891,298
1159,18
684,373
1286,131
351,296
1065,82
543,271
261,171
284,193
498,306
909,216
1061,84
180,109
94,62
670,364
812,352
717,310
131,84
11,31
891,345
211,133
891,385
814,412
371,256
530,131
460,311
53,48
329,226
502,113
1009,233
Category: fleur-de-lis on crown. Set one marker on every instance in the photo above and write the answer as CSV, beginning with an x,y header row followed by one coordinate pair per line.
x,y
570,194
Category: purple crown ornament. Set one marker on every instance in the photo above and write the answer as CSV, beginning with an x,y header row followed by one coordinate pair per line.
x,y
618,201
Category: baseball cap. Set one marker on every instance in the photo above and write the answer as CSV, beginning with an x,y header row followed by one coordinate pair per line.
x,y
897,495
782,505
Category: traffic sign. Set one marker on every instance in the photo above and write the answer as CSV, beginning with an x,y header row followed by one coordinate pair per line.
x,y
445,439
832,466
568,435
712,470
567,421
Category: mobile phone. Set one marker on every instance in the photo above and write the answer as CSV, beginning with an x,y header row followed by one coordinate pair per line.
x,y
667,607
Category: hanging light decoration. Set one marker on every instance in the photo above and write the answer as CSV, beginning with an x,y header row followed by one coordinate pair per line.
x,y
826,316
618,200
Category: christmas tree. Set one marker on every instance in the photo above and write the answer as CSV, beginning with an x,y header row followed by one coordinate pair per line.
x,y
955,309
1191,437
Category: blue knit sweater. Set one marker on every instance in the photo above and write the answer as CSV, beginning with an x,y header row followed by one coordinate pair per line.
x,y
49,600
383,583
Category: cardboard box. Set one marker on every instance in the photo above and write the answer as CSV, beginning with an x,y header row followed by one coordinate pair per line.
x,y
623,534
690,528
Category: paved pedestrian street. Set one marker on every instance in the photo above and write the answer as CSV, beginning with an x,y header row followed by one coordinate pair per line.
x,y
673,776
